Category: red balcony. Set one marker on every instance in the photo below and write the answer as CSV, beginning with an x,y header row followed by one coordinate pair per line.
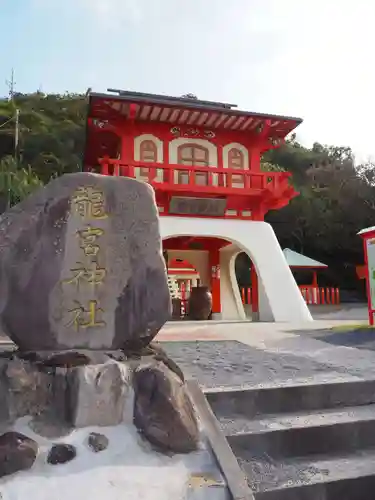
x,y
243,190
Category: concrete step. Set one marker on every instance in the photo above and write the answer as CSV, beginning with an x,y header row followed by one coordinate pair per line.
x,y
323,478
303,433
303,442
253,402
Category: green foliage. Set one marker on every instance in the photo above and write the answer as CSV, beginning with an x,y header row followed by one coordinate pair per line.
x,y
336,198
17,182
271,167
51,131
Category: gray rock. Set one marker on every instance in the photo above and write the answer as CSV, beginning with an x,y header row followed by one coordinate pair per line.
x,y
98,442
29,391
97,394
163,412
17,452
5,416
61,453
159,354
81,266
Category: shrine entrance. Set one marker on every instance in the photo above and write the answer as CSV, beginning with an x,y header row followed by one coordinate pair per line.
x,y
190,266
211,246
207,263
182,279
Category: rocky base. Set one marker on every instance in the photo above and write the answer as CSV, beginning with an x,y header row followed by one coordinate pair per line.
x,y
163,411
65,391
127,467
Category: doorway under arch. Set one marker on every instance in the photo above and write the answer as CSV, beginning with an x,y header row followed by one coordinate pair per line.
x,y
182,278
247,282
279,296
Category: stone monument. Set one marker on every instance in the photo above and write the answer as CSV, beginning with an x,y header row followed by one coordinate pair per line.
x,y
83,292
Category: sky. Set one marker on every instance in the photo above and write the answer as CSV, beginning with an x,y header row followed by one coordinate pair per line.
x,y
314,59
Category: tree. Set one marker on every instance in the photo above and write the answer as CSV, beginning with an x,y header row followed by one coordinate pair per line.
x,y
16,181
336,200
51,131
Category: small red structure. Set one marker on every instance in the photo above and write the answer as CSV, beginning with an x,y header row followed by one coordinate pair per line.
x,y
311,292
203,160
368,236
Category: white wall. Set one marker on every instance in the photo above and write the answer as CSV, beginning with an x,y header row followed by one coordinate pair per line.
x,y
265,310
258,240
231,302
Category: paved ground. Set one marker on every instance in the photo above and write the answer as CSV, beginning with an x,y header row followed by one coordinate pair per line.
x,y
352,312
234,364
359,338
266,354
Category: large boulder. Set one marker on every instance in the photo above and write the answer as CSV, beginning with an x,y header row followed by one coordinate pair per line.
x,y
81,266
163,411
17,452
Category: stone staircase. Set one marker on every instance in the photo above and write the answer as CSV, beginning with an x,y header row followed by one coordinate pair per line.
x,y
302,442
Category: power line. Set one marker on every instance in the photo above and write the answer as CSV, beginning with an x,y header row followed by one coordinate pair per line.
x,y
8,121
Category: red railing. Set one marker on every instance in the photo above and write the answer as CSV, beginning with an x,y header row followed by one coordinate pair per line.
x,y
316,296
312,295
205,179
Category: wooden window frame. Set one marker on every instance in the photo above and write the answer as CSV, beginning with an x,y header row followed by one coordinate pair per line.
x,y
147,146
240,155
194,162
239,179
206,160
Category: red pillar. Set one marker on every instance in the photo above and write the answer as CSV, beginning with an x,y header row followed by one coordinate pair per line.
x,y
214,262
257,181
254,292
167,175
315,280
127,139
254,159
127,148
368,287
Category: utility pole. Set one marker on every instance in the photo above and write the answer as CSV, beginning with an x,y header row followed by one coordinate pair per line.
x,y
11,85
16,133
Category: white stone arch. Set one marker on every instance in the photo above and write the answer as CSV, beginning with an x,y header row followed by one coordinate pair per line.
x,y
240,147
279,296
159,154
176,143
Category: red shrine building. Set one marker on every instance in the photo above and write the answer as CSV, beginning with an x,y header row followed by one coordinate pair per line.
x,y
203,160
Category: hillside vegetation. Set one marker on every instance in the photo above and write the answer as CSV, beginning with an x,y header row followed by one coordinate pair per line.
x,y
336,200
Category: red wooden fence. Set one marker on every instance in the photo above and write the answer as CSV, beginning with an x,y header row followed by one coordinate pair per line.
x,y
312,295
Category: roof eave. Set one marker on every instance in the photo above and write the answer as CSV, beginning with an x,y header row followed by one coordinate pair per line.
x,y
193,105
